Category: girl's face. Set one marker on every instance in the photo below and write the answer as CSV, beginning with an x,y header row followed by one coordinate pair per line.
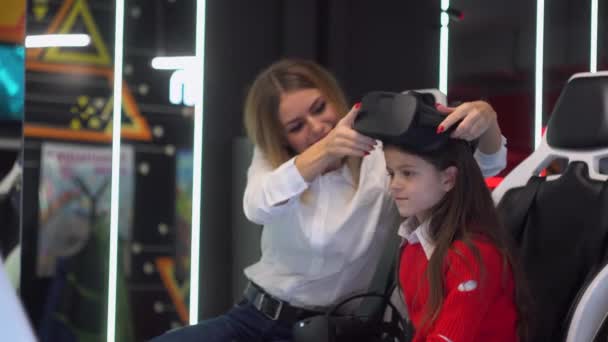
x,y
415,184
306,117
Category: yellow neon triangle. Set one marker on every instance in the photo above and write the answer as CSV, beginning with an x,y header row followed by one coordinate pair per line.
x,y
101,58
131,125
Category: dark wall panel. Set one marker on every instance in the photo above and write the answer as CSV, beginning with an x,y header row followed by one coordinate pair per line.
x,y
242,38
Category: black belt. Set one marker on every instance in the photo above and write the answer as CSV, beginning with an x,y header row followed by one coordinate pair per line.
x,y
274,308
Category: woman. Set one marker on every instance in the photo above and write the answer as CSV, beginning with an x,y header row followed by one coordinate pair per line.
x,y
320,190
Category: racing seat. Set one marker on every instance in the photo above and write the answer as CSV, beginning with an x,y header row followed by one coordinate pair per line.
x,y
560,221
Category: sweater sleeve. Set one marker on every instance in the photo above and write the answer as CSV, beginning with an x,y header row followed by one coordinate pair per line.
x,y
468,293
270,192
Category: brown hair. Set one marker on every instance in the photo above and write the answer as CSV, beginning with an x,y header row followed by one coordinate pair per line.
x,y
466,211
263,100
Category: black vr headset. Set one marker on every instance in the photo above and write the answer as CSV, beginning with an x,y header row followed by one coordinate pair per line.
x,y
407,119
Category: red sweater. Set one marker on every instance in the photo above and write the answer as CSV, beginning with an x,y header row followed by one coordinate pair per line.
x,y
473,309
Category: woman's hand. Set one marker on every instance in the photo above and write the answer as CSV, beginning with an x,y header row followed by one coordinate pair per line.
x,y
328,153
478,121
476,118
344,141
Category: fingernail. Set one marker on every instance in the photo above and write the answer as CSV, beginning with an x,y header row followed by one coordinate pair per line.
x,y
440,129
366,153
357,105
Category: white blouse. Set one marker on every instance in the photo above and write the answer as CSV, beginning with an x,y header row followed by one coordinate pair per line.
x,y
323,246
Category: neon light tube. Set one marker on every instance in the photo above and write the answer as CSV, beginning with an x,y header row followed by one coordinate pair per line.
x,y
443,47
197,155
57,40
593,45
173,63
538,88
114,201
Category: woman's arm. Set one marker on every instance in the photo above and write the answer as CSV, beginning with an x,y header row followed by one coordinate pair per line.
x,y
478,122
327,154
268,192
491,140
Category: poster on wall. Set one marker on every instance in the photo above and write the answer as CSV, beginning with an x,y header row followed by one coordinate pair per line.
x,y
12,21
12,78
81,77
74,201
183,209
12,59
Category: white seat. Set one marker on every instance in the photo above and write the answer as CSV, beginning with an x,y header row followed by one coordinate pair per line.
x,y
553,214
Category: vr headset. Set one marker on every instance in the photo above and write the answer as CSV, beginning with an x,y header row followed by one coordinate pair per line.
x,y
407,119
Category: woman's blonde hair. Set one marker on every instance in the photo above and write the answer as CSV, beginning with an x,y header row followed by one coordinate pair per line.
x,y
263,100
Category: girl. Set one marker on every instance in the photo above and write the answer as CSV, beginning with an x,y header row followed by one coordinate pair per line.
x,y
455,270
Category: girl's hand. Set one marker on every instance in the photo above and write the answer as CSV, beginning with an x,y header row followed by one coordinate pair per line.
x,y
477,117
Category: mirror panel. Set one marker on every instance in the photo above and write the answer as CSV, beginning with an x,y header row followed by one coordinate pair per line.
x,y
67,169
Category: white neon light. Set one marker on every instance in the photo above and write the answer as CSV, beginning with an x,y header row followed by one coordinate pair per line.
x,y
173,63
57,40
197,163
443,47
182,85
538,88
183,88
443,53
593,52
114,198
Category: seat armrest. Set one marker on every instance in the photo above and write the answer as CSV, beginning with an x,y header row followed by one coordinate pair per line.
x,y
591,310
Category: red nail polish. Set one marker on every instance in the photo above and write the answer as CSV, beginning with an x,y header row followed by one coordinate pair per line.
x,y
357,105
440,129
366,153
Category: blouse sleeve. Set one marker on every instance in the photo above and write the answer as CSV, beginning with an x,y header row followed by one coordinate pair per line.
x,y
269,192
492,164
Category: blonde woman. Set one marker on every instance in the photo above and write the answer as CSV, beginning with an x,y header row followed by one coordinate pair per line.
x,y
320,190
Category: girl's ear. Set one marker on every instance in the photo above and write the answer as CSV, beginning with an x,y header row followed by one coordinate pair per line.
x,y
448,178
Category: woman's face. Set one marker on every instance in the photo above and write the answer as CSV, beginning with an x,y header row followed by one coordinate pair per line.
x,y
306,117
416,185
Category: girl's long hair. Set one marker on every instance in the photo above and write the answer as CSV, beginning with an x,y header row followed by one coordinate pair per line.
x,y
465,212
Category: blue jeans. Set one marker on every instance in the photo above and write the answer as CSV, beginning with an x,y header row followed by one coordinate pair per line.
x,y
242,323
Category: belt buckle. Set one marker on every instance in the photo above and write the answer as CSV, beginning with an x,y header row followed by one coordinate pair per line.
x,y
277,311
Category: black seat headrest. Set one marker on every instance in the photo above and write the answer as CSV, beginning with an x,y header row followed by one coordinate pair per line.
x,y
580,117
